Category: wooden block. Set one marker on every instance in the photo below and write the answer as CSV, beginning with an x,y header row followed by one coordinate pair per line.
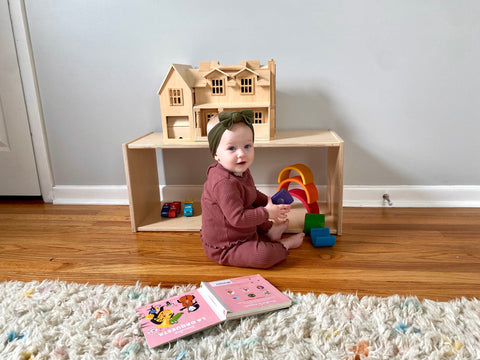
x,y
318,232
313,221
320,241
282,197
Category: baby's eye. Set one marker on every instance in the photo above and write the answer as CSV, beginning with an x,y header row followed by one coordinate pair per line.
x,y
248,146
231,148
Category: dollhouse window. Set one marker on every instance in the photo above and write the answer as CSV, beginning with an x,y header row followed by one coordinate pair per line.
x,y
217,87
258,117
246,86
176,96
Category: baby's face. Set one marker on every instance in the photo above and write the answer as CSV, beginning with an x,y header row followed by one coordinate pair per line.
x,y
235,151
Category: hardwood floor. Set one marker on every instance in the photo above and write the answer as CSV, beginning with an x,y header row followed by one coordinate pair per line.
x,y
427,252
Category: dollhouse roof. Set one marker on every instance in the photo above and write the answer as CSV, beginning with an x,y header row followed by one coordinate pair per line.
x,y
206,75
183,71
263,82
246,69
197,78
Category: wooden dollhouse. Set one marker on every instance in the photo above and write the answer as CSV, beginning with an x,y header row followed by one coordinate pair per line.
x,y
189,97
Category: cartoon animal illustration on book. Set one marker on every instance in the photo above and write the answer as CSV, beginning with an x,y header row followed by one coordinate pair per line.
x,y
162,317
188,302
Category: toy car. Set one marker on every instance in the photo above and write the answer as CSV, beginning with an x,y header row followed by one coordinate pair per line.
x,y
188,208
174,209
165,209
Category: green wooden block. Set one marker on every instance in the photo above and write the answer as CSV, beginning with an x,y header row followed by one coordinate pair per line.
x,y
313,221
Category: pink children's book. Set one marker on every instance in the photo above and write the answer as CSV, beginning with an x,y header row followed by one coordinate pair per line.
x,y
214,302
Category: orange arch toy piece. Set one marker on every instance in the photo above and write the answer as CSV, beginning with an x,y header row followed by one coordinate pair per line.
x,y
312,208
304,171
310,188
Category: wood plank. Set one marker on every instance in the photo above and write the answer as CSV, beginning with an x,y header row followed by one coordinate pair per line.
x,y
296,138
142,183
335,185
427,252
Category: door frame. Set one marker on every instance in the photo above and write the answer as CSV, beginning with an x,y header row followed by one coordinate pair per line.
x,y
33,104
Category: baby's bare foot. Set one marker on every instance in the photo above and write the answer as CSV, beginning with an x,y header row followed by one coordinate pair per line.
x,y
293,242
276,231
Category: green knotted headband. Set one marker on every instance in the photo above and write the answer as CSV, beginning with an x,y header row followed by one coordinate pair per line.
x,y
227,119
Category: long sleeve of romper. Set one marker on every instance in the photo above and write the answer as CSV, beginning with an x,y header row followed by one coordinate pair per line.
x,y
235,205
229,208
261,200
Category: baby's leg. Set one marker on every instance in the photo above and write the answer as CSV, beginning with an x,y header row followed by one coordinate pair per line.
x,y
293,242
276,231
254,254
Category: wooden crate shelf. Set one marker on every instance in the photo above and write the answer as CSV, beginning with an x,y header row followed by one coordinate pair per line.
x,y
144,192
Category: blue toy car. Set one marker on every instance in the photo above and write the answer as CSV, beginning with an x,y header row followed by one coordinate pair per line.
x,y
165,209
188,208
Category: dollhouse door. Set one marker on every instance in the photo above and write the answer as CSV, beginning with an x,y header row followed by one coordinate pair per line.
x,y
18,172
205,117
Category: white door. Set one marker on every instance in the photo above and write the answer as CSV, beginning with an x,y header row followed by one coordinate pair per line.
x,y
18,172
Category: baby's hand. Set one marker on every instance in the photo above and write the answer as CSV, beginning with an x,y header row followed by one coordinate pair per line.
x,y
277,212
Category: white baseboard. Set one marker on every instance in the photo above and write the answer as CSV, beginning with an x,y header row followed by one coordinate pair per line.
x,y
412,196
368,196
90,195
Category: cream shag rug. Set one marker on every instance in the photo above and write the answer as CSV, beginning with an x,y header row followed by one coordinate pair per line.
x,y
58,320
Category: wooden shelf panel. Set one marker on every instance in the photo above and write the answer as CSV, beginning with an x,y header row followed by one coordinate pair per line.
x,y
194,223
297,138
155,222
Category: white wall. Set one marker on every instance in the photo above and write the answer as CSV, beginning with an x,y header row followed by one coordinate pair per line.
x,y
398,80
